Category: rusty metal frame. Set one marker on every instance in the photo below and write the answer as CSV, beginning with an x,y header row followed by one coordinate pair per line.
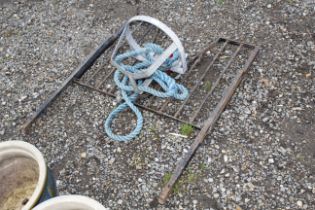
x,y
215,114
205,128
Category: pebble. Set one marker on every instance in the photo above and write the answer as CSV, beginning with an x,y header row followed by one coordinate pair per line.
x,y
111,161
225,158
22,98
83,155
299,203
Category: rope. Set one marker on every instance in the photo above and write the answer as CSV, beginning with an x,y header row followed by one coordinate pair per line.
x,y
169,86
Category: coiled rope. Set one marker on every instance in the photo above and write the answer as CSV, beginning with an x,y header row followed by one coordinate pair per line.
x,y
129,95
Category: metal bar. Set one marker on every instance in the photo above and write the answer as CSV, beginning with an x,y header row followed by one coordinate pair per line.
x,y
137,104
208,126
201,78
107,76
216,83
237,43
94,88
113,90
156,35
98,70
77,74
196,61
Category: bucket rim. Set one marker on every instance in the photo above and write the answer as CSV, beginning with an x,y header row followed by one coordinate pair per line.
x,y
26,149
64,202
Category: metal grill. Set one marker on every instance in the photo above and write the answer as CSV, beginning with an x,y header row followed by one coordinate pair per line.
x,y
212,78
208,75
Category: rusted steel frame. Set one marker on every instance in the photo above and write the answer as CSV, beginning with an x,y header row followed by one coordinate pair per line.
x,y
76,74
201,78
208,126
196,112
195,62
137,104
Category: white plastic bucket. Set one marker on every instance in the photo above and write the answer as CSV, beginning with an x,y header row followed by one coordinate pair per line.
x,y
70,202
11,152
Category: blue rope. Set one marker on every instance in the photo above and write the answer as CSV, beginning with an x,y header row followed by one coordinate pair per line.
x,y
168,84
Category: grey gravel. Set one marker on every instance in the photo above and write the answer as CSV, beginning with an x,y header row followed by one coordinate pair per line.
x,y
259,156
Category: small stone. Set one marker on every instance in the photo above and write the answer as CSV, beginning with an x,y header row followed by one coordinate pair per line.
x,y
265,119
238,198
83,155
299,203
111,161
22,98
216,195
271,161
269,6
58,183
238,208
225,158
118,150
119,202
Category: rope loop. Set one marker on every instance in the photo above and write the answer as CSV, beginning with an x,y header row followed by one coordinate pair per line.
x,y
169,86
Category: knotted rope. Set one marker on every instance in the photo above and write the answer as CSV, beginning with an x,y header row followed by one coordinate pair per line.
x,y
129,94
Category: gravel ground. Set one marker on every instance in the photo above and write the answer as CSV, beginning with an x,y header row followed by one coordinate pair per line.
x,y
259,156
